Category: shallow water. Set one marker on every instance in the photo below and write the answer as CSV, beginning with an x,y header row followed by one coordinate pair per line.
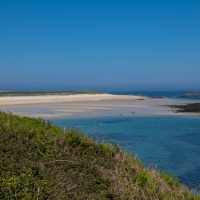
x,y
169,143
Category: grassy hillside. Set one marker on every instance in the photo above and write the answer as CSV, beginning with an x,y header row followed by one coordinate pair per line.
x,y
41,161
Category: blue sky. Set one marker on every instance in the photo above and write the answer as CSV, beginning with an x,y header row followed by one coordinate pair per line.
x,y
99,45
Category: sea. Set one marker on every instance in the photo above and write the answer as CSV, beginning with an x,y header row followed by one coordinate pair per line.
x,y
167,143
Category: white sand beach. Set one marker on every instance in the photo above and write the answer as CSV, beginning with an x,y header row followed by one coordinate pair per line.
x,y
24,100
86,105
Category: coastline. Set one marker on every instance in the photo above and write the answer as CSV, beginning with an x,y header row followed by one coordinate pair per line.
x,y
88,105
28,100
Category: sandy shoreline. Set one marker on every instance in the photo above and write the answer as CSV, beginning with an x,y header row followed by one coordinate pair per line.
x,y
86,105
28,100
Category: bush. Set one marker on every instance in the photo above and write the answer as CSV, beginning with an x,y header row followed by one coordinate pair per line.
x,y
41,161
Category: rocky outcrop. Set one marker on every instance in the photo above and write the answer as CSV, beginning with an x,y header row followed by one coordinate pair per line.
x,y
191,95
189,108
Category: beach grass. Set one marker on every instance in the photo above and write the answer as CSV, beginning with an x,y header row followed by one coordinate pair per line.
x,y
3,91
42,161
11,94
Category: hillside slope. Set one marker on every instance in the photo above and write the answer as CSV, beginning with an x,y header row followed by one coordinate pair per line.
x,y
41,161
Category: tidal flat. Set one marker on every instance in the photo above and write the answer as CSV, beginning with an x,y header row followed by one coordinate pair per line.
x,y
86,105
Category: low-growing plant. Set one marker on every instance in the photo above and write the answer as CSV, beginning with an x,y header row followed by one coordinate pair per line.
x,y
42,161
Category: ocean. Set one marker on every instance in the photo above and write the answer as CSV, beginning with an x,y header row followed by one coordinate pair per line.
x,y
169,143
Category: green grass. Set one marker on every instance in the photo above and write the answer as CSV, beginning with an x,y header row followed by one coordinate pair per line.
x,y
3,91
6,93
41,161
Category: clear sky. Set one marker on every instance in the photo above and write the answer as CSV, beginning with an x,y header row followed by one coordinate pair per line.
x,y
99,45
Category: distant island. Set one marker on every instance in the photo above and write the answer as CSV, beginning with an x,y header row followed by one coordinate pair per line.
x,y
191,95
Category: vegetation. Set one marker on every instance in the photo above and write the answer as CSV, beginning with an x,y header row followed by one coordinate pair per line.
x,y
41,161
5,93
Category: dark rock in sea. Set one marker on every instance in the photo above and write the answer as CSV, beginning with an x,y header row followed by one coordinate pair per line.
x,y
191,95
157,97
189,108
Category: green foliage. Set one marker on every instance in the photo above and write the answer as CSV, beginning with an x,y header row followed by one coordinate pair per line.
x,y
7,93
172,181
42,161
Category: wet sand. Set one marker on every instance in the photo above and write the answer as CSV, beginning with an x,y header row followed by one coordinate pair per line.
x,y
87,106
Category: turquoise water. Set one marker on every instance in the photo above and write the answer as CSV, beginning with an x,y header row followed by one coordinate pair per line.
x,y
169,143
